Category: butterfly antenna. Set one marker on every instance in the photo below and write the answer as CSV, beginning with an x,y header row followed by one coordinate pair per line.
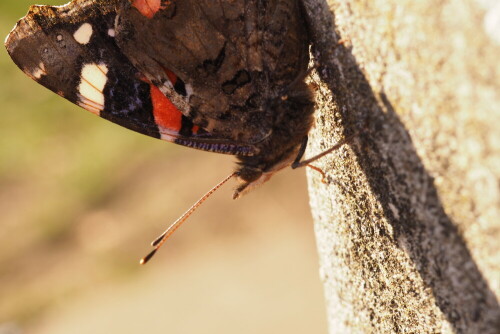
x,y
175,225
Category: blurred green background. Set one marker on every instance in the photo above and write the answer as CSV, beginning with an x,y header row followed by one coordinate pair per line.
x,y
80,200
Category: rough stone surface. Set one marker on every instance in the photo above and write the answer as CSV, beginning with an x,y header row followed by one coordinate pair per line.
x,y
408,223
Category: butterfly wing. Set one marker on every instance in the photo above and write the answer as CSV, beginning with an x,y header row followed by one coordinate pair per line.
x,y
234,56
72,51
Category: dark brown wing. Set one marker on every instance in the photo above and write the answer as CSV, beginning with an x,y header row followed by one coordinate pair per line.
x,y
71,50
235,56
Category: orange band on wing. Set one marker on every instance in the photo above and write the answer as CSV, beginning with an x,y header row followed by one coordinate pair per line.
x,y
148,8
165,113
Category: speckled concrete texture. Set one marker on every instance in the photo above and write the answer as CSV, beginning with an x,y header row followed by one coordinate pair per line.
x,y
408,223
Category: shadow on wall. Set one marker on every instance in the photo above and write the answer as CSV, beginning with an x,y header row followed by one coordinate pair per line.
x,y
438,251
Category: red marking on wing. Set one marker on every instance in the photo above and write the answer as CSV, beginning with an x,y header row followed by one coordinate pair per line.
x,y
165,113
171,76
148,8
173,79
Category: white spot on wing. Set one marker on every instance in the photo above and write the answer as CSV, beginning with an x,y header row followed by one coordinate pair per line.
x,y
167,135
189,90
84,33
92,81
112,32
39,71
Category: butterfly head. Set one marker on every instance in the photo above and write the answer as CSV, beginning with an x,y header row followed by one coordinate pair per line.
x,y
293,117
251,176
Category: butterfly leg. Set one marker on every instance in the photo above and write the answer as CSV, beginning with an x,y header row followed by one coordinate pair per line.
x,y
319,170
297,163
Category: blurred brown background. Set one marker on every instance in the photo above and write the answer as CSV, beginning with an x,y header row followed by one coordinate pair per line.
x,y
80,200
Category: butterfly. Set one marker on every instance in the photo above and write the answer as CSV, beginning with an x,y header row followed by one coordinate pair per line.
x,y
224,76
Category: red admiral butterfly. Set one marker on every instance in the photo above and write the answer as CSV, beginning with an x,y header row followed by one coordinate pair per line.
x,y
222,76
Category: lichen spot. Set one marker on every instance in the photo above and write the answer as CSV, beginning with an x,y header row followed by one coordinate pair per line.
x,y
111,32
84,33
